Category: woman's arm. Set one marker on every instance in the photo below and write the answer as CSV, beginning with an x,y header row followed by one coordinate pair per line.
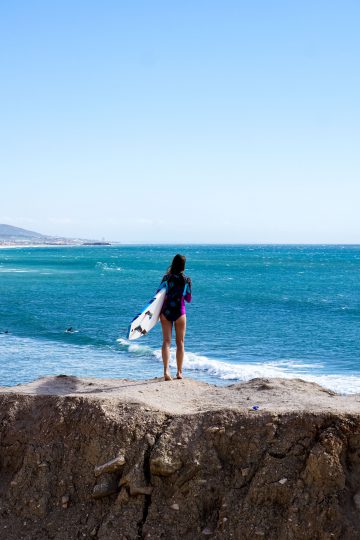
x,y
164,283
188,290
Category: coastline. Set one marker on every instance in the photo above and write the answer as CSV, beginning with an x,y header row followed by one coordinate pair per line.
x,y
12,246
82,243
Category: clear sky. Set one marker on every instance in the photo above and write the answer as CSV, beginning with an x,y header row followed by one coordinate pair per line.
x,y
181,121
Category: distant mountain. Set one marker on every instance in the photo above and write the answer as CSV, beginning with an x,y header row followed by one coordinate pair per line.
x,y
14,236
8,232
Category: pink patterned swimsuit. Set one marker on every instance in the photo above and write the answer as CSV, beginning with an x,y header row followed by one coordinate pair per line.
x,y
178,290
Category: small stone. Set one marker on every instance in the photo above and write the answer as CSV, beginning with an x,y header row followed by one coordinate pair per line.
x,y
150,439
283,481
213,429
216,429
356,500
107,486
145,490
207,531
111,466
245,472
165,466
65,501
259,532
175,506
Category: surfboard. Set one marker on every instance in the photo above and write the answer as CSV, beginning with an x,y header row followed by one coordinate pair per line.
x,y
149,316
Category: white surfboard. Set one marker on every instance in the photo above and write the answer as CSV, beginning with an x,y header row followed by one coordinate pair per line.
x,y
146,320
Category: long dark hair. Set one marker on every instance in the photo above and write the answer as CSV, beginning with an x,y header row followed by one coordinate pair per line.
x,y
177,265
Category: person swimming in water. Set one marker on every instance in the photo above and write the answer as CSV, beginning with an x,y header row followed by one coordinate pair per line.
x,y
173,313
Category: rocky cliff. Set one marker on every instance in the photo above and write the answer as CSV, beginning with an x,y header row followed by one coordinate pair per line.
x,y
99,465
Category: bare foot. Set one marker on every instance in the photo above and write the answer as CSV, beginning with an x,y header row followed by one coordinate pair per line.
x,y
167,377
179,375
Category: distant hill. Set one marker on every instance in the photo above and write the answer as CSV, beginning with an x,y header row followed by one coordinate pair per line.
x,y
8,232
15,236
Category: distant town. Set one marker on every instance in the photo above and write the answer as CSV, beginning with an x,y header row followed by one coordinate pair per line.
x,y
11,236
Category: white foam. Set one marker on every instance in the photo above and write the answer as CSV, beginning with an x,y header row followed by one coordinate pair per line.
x,y
136,348
5,270
106,267
295,364
283,368
342,384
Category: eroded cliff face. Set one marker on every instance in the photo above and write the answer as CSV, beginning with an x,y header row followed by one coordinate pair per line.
x,y
224,475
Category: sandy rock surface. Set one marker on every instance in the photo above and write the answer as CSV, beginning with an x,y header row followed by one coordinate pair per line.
x,y
188,396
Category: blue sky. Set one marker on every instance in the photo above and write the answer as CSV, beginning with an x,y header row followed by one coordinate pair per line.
x,y
191,121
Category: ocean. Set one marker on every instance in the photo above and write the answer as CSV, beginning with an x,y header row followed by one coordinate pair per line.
x,y
257,311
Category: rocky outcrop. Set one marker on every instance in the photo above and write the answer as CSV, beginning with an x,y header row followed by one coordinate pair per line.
x,y
80,467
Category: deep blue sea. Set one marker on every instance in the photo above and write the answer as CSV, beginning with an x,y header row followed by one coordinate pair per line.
x,y
257,311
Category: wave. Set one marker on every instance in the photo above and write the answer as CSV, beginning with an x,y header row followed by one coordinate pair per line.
x,y
108,267
242,372
26,358
5,270
135,348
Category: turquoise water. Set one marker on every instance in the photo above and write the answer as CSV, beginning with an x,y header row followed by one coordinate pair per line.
x,y
256,311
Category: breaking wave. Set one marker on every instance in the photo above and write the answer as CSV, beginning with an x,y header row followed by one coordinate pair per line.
x,y
242,372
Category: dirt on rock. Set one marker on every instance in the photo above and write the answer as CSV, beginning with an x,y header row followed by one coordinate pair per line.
x,y
109,467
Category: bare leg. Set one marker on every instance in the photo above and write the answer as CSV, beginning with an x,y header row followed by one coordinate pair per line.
x,y
180,329
167,331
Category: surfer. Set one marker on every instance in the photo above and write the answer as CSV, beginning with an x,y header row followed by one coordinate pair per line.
x,y
173,313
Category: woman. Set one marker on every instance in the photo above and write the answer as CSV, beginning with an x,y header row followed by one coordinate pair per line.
x,y
178,289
